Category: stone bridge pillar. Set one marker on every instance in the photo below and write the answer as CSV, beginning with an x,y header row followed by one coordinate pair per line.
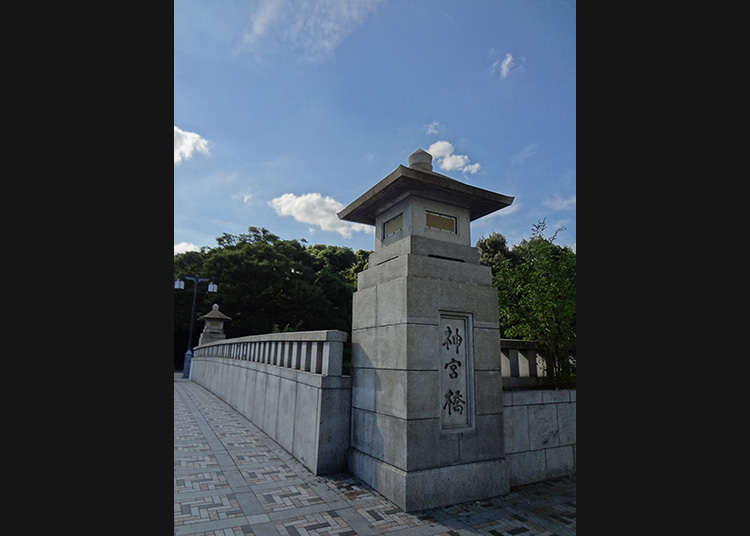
x,y
427,401
214,328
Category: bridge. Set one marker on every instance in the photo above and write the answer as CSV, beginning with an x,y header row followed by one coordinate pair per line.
x,y
439,427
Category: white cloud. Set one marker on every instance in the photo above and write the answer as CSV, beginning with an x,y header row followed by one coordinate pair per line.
x,y
432,128
471,168
313,28
561,203
526,153
186,143
245,198
317,210
443,152
267,12
440,149
183,247
506,64
454,161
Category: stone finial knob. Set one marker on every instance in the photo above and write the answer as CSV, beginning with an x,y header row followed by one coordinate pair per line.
x,y
420,159
215,307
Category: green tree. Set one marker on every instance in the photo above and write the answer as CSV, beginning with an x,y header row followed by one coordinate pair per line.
x,y
362,258
493,250
537,299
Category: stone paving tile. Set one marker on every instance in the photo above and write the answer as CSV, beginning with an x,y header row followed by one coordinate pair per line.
x,y
244,530
387,517
351,488
192,447
200,482
288,497
291,501
279,472
256,457
196,462
320,524
208,508
241,443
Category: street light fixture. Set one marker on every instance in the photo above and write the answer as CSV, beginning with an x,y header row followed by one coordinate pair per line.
x,y
180,284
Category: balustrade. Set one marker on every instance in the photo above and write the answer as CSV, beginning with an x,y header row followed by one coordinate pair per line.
x,y
317,352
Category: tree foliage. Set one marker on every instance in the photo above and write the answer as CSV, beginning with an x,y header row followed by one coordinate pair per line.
x,y
493,250
536,284
266,284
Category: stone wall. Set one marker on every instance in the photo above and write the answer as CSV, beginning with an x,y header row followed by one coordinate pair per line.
x,y
307,414
540,434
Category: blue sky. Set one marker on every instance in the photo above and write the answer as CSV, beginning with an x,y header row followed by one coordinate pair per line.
x,y
287,110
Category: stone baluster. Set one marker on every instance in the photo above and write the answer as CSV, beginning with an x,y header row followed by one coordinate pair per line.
x,y
531,362
316,358
295,355
523,364
333,357
304,360
504,362
513,358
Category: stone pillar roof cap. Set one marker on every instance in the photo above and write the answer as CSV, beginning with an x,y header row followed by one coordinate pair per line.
x,y
215,313
423,183
420,159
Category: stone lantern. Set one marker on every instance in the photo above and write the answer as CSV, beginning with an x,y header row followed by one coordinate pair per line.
x,y
214,327
427,400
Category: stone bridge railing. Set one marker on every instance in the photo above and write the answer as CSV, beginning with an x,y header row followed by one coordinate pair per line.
x,y
290,386
319,352
521,363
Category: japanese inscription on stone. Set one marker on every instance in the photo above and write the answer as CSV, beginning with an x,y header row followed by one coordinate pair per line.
x,y
456,371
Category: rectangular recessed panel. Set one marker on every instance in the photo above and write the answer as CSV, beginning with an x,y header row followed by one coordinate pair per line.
x,y
441,221
456,372
393,225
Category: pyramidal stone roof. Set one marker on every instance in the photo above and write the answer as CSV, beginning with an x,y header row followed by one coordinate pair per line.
x,y
423,182
215,313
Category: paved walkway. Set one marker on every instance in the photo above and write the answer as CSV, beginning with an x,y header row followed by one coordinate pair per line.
x,y
232,479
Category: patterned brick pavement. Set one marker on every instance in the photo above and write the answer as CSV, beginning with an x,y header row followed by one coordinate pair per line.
x,y
230,479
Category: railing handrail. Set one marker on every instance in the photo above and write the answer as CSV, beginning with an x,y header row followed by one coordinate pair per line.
x,y
326,335
317,352
520,344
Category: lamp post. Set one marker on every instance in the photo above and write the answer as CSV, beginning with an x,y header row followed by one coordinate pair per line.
x,y
180,284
